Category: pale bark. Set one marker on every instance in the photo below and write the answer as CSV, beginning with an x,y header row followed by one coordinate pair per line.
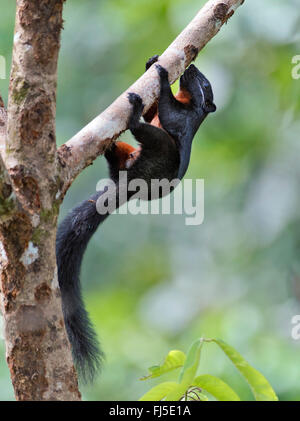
x,y
34,177
92,140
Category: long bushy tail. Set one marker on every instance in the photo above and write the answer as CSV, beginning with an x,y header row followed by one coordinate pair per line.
x,y
73,235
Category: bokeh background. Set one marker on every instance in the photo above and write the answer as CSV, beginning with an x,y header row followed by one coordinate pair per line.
x,y
151,283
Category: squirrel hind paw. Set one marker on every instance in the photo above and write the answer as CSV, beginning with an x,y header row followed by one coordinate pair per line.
x,y
136,101
151,61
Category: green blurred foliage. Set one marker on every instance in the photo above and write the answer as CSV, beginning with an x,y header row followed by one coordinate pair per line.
x,y
152,283
189,384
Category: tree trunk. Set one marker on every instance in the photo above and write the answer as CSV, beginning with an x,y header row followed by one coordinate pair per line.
x,y
37,349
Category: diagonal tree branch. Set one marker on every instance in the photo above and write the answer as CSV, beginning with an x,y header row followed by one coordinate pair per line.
x,y
91,141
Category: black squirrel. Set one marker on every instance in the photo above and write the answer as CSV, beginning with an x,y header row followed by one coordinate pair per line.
x,y
164,152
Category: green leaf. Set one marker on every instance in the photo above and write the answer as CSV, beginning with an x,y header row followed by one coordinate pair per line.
x,y
261,388
216,387
191,363
177,393
188,371
173,360
157,393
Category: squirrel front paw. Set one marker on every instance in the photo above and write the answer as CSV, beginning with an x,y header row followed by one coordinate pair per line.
x,y
163,73
136,101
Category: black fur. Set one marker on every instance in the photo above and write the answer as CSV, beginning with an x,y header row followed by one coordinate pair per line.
x,y
182,121
164,154
159,158
72,239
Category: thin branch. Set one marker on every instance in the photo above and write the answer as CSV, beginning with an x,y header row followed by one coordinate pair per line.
x,y
92,140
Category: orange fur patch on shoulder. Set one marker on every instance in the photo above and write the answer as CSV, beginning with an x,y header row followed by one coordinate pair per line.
x,y
125,154
183,96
